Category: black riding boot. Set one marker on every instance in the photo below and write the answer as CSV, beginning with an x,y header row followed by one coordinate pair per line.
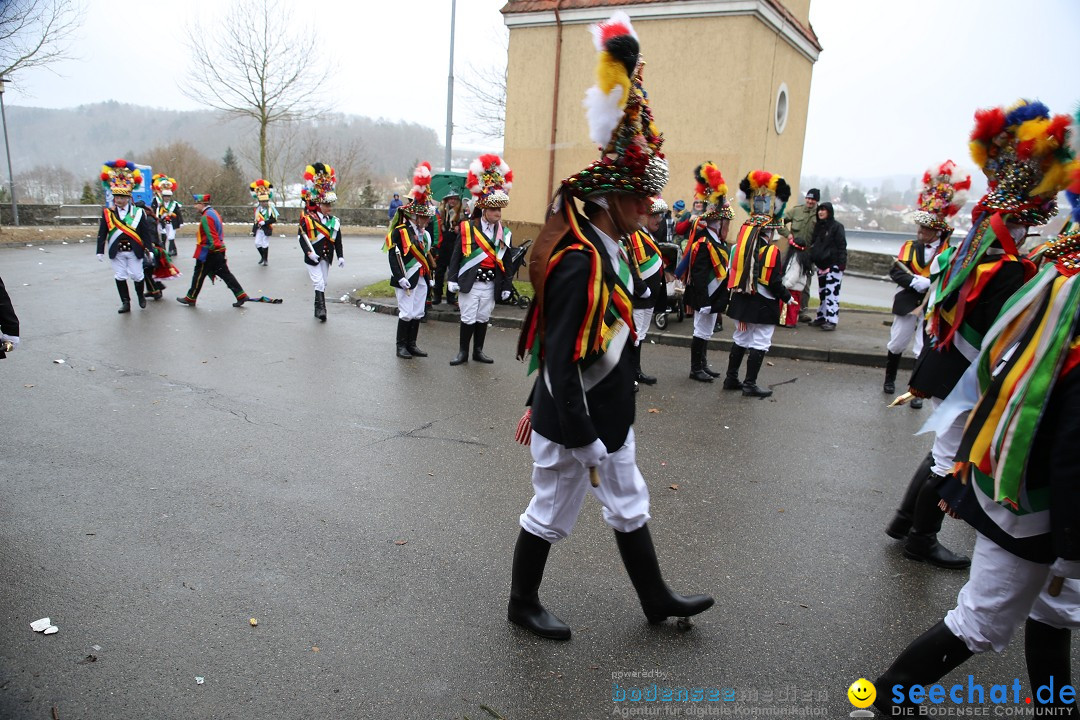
x,y
892,364
922,543
731,381
1047,650
410,344
140,293
641,377
320,305
125,297
464,337
705,361
697,350
753,366
479,333
901,522
524,608
172,247
657,599
930,657
404,327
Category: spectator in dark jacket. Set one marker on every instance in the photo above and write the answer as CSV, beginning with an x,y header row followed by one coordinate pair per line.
x,y
828,250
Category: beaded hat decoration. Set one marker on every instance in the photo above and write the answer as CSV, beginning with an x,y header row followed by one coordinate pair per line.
x,y
943,193
1024,154
764,196
320,182
711,189
620,119
120,177
419,204
262,190
163,184
1064,250
489,180
658,206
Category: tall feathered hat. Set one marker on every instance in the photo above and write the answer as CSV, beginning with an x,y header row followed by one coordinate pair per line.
x,y
419,204
658,206
262,190
1064,250
943,193
764,196
320,182
1024,153
163,184
620,119
489,181
120,177
711,189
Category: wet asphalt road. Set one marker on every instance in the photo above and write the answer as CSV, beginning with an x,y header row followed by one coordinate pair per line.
x,y
185,470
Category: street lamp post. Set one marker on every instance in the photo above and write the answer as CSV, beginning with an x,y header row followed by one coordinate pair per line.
x,y
450,89
7,151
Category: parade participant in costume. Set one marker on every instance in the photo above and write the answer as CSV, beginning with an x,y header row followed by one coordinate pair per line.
x,y
577,334
1019,150
209,255
798,231
1017,482
755,279
828,251
651,292
944,192
448,223
266,214
126,229
706,265
168,210
320,232
9,323
411,264
477,272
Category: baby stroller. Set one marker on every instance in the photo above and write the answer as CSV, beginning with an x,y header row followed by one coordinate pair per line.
x,y
671,254
514,260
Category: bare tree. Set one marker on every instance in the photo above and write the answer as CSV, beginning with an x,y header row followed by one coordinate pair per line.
x,y
258,63
486,89
34,33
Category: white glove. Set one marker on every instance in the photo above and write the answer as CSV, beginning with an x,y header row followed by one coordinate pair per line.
x,y
590,455
505,294
647,294
705,310
1066,568
920,283
403,283
13,339
313,256
100,257
341,262
453,286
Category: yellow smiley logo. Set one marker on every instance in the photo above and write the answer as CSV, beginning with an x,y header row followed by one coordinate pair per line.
x,y
862,693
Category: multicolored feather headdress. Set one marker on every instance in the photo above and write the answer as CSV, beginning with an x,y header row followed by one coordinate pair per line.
x,y
262,190
163,184
944,192
1024,154
489,180
120,177
711,189
620,120
320,182
764,196
419,204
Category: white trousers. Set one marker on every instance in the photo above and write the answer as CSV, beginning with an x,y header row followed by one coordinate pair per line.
x,y
704,324
262,240
477,304
127,267
755,336
318,274
411,304
642,318
1003,591
947,443
903,328
169,232
560,483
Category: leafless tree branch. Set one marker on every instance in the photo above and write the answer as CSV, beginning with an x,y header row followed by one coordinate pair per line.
x,y
35,33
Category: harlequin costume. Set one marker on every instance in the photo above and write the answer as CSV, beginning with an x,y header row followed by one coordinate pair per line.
x,y
1017,482
755,279
125,232
266,214
650,290
477,272
319,233
577,335
408,246
1019,150
943,193
210,261
168,210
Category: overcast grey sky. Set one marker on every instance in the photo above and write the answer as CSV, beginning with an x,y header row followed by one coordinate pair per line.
x,y
893,91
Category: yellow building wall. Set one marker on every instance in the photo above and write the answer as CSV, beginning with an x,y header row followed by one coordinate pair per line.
x,y
712,84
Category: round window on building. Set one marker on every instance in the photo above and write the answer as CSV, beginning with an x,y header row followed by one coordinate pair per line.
x,y
780,117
